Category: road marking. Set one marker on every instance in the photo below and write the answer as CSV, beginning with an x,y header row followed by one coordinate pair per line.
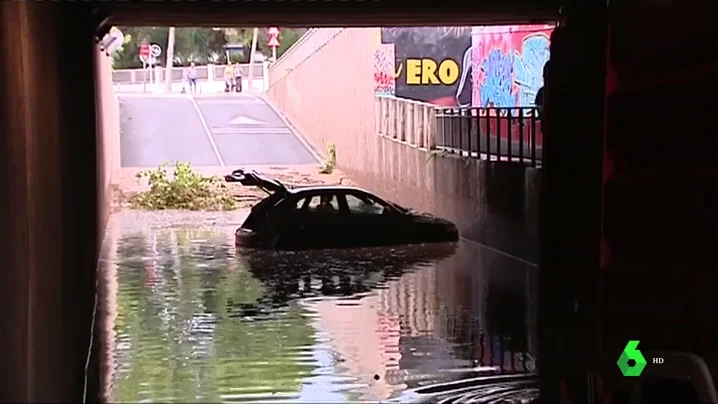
x,y
206,130
242,131
243,120
242,100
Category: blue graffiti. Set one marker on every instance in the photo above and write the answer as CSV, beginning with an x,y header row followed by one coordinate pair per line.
x,y
496,88
528,67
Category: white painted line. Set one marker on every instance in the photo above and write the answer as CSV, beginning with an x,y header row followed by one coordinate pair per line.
x,y
243,120
289,126
206,130
240,131
148,95
228,101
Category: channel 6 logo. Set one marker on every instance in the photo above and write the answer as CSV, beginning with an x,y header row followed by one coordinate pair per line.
x,y
631,362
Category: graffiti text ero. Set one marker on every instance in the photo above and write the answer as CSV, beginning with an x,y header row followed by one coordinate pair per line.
x,y
428,71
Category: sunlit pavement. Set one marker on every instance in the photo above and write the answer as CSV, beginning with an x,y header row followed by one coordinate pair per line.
x,y
209,130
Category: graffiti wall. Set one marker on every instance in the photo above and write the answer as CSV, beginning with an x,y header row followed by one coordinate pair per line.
x,y
506,64
428,62
463,66
384,70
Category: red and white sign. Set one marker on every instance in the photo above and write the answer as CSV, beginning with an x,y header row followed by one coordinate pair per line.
x,y
273,37
144,52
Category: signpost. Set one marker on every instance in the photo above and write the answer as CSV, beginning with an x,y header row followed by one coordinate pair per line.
x,y
144,54
155,52
273,40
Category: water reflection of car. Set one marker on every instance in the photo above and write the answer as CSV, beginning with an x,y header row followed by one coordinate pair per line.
x,y
292,275
331,217
364,268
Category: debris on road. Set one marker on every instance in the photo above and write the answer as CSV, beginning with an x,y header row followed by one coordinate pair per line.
x,y
292,176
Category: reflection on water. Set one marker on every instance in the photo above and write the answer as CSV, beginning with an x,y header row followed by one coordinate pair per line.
x,y
191,318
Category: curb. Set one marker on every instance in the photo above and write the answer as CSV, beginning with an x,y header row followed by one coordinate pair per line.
x,y
318,156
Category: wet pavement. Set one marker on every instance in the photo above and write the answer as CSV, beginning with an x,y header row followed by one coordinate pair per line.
x,y
186,316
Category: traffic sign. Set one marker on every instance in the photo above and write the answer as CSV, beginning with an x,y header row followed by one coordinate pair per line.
x,y
155,50
144,52
273,37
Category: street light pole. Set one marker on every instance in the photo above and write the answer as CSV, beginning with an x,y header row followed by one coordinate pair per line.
x,y
252,54
170,56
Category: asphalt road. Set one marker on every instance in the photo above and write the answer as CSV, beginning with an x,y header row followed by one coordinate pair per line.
x,y
216,130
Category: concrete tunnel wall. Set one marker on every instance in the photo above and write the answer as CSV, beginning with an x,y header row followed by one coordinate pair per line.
x,y
108,133
324,85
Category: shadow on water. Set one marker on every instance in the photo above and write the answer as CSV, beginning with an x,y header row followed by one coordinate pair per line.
x,y
185,316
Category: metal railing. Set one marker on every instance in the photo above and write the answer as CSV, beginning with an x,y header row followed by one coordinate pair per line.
x,y
132,76
498,134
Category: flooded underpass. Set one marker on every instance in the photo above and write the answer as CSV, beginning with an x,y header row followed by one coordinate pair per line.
x,y
186,316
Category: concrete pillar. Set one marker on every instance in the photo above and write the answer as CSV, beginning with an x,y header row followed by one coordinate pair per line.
x,y
265,75
49,199
210,72
574,124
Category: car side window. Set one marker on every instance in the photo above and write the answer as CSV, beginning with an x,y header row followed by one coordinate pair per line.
x,y
300,203
326,203
363,205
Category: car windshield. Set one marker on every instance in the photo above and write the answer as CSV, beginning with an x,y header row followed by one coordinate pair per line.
x,y
390,204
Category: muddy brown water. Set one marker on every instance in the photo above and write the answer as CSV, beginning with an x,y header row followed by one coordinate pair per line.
x,y
185,316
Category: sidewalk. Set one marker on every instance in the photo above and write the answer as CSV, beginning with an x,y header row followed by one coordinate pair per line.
x,y
203,87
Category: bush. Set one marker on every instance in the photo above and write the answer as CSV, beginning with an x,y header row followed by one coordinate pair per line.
x,y
331,163
186,190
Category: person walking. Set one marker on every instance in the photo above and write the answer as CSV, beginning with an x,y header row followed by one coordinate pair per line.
x,y
237,77
228,78
192,77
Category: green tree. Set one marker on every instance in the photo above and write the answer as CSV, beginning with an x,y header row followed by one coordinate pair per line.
x,y
243,36
200,45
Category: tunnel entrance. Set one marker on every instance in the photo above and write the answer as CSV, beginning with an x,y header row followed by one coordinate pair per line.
x,y
387,319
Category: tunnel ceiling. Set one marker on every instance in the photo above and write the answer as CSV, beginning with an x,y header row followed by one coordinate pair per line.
x,y
331,13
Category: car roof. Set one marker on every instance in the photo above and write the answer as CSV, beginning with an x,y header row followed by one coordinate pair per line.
x,y
327,188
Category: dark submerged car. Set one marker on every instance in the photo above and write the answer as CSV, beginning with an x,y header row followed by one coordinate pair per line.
x,y
331,217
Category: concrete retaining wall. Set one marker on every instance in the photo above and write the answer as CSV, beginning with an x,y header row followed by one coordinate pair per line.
x,y
108,133
493,203
324,85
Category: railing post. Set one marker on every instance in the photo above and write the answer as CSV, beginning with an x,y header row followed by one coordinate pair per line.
x,y
384,116
423,129
400,119
430,124
377,115
391,122
409,125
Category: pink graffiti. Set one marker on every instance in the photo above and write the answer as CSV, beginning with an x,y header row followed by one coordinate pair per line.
x,y
383,82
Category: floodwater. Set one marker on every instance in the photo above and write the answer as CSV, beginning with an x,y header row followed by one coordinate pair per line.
x,y
187,317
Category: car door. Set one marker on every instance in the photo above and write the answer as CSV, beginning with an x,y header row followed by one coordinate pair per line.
x,y
317,222
370,223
